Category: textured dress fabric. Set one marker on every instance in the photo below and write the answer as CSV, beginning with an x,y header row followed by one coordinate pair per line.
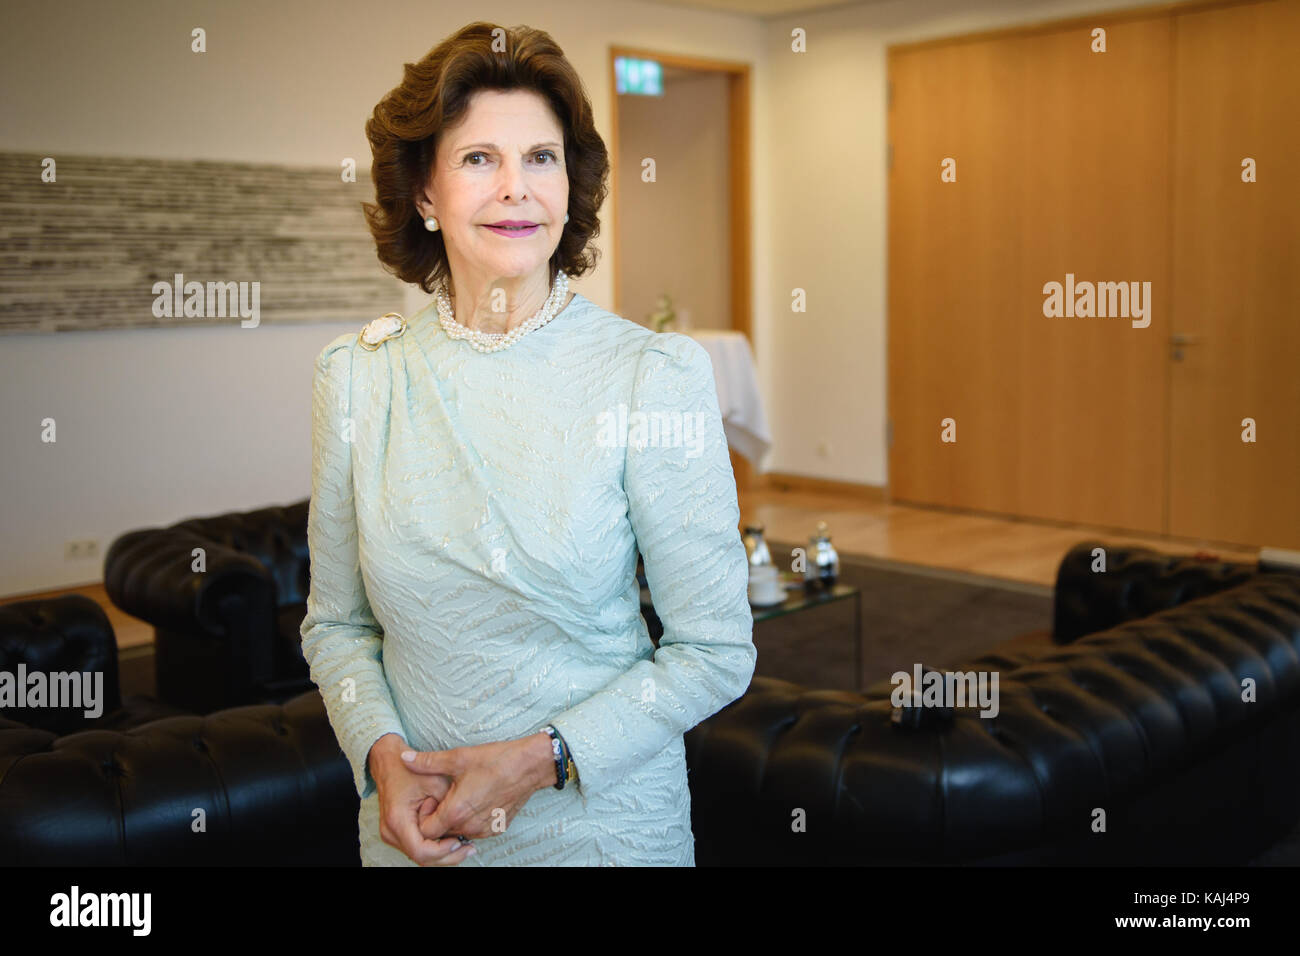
x,y
474,526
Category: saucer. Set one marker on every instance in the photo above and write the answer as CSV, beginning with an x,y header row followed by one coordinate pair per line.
x,y
774,600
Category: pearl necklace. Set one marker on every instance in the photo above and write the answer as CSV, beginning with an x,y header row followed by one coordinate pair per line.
x,y
496,341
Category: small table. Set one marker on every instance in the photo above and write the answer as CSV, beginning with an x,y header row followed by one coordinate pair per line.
x,y
798,598
743,419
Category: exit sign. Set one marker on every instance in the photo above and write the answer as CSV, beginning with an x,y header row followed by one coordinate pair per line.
x,y
638,77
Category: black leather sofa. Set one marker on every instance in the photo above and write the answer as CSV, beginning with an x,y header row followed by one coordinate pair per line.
x,y
1142,719
147,783
227,633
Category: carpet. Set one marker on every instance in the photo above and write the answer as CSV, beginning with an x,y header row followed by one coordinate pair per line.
x,y
910,614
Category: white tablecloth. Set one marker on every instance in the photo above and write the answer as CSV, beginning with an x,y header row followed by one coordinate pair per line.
x,y
743,419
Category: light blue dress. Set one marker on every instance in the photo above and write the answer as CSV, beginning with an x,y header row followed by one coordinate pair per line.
x,y
474,525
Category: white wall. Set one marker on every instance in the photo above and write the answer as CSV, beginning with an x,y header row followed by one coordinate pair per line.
x,y
158,426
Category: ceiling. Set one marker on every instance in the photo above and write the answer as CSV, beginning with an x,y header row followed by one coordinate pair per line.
x,y
763,9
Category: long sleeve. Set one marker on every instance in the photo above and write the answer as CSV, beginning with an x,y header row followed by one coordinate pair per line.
x,y
682,505
341,640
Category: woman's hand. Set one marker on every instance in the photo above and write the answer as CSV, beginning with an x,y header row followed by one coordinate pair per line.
x,y
405,798
490,783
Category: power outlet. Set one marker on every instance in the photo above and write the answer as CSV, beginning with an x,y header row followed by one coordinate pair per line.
x,y
81,550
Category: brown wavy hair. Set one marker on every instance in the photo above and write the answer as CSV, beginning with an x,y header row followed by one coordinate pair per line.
x,y
433,96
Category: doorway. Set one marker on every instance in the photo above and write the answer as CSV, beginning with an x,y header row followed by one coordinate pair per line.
x,y
680,187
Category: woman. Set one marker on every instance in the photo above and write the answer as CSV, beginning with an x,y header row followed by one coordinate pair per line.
x,y
483,479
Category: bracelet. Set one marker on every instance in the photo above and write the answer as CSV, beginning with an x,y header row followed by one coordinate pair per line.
x,y
557,748
565,769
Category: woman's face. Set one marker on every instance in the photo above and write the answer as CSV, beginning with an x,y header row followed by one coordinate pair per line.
x,y
505,161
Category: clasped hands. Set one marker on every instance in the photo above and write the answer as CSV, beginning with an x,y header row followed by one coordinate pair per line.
x,y
427,802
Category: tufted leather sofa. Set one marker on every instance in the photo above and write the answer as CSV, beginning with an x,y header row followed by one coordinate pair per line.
x,y
1143,720
123,788
227,634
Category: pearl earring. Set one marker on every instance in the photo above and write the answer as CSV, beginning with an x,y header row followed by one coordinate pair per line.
x,y
431,224
566,217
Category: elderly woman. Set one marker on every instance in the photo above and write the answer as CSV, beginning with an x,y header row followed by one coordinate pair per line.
x,y
484,475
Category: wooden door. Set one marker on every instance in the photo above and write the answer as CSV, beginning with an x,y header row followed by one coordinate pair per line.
x,y
1236,266
1061,160
954,273
1094,390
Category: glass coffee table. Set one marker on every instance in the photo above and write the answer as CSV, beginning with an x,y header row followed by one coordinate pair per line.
x,y
798,598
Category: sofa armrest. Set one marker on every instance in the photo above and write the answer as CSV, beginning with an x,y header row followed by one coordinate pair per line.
x,y
149,574
69,635
1137,582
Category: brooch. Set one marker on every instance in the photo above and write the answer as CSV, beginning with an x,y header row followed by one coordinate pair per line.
x,y
388,326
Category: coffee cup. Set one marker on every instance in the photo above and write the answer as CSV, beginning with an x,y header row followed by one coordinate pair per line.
x,y
765,585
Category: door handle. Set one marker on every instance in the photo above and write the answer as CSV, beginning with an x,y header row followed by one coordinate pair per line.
x,y
1178,340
